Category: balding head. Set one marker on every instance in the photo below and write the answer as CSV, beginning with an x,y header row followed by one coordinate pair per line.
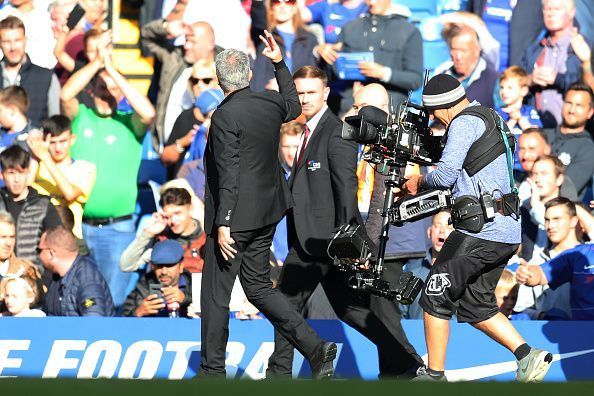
x,y
202,29
58,250
61,239
372,95
532,144
200,42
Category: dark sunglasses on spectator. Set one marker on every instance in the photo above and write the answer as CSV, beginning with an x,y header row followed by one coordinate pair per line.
x,y
39,250
207,80
290,2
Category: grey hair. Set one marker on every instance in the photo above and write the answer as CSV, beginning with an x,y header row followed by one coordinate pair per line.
x,y
233,70
570,4
6,217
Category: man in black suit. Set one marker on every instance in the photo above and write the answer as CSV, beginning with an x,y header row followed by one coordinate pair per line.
x,y
323,183
246,196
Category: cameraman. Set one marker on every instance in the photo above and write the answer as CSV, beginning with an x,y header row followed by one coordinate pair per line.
x,y
463,278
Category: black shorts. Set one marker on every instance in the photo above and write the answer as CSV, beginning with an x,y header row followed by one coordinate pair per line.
x,y
462,280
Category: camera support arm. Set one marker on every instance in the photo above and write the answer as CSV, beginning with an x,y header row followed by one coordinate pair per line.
x,y
393,182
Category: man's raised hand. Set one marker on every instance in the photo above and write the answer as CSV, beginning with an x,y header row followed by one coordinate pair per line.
x,y
271,50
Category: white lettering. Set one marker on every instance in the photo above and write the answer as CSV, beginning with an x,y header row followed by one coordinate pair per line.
x,y
153,351
256,369
57,359
183,350
12,345
113,352
235,351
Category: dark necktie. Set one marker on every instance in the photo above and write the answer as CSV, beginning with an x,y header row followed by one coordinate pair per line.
x,y
303,145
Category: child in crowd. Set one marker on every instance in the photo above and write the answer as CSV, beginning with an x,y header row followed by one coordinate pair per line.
x,y
14,104
20,293
513,87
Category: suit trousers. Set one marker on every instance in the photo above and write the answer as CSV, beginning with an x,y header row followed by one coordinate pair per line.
x,y
300,275
252,264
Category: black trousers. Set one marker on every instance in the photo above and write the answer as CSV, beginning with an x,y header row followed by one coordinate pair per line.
x,y
300,275
252,264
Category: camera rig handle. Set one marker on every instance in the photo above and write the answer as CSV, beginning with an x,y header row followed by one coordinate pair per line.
x,y
394,181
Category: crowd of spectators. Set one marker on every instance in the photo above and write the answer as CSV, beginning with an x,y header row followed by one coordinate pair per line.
x,y
74,240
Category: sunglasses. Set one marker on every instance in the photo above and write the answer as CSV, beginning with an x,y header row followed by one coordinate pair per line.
x,y
39,250
195,80
289,2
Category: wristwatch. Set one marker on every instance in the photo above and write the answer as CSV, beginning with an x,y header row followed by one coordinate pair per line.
x,y
178,147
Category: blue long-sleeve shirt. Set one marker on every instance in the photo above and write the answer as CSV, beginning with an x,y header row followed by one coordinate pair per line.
x,y
493,178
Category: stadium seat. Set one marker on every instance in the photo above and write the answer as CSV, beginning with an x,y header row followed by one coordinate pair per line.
x,y
435,49
420,9
151,171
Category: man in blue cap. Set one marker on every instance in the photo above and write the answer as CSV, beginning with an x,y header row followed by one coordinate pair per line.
x,y
166,289
187,140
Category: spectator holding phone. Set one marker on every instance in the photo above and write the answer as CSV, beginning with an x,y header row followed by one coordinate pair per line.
x,y
166,289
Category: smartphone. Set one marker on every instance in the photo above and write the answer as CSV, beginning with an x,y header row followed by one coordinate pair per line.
x,y
75,16
155,288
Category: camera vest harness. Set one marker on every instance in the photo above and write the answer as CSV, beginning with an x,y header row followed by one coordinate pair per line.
x,y
470,213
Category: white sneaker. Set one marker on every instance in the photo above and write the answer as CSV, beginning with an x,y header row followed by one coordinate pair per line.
x,y
534,366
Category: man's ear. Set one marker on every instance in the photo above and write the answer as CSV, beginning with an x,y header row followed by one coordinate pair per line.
x,y
547,149
326,93
574,221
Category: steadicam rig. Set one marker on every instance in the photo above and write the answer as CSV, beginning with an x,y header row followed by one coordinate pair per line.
x,y
352,253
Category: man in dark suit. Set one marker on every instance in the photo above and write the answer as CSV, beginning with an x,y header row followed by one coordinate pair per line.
x,y
323,183
246,196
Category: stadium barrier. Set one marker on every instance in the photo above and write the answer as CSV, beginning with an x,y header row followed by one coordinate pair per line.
x,y
170,348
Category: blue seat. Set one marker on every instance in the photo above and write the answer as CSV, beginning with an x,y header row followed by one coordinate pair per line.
x,y
446,6
148,151
151,167
435,53
420,9
435,50
151,171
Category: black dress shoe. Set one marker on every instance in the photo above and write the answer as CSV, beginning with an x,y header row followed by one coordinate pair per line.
x,y
322,363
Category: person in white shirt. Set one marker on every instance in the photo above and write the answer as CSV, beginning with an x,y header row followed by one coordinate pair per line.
x,y
38,27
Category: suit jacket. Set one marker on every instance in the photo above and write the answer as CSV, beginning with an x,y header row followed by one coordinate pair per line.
x,y
324,187
245,184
